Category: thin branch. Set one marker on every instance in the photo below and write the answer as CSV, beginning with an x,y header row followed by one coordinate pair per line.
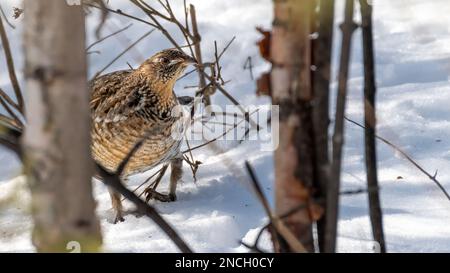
x,y
198,55
157,24
11,113
10,136
113,181
411,160
376,214
216,138
332,195
108,36
226,47
261,197
152,187
8,100
143,183
187,74
6,18
359,191
192,163
276,223
123,52
120,12
11,69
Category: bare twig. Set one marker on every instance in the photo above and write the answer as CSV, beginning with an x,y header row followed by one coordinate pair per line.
x,y
108,36
376,215
152,187
150,13
358,191
120,12
122,53
277,224
226,48
198,54
6,18
192,163
10,136
143,183
7,99
187,73
17,120
262,198
216,138
409,158
348,27
113,181
285,215
11,69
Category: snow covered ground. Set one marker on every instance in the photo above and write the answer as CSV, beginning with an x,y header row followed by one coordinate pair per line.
x,y
214,214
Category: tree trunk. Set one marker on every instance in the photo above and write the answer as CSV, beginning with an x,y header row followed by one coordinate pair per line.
x,y
322,47
291,86
56,142
370,125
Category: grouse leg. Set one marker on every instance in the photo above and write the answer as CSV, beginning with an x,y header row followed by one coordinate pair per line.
x,y
150,192
176,165
117,205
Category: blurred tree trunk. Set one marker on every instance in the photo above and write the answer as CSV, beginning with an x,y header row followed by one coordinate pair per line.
x,y
291,90
57,137
322,47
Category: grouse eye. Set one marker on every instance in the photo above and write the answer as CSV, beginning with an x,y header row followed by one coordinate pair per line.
x,y
164,60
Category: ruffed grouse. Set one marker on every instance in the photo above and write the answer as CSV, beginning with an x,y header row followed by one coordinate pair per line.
x,y
125,106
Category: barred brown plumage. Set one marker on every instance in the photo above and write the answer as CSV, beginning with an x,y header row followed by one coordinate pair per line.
x,y
125,105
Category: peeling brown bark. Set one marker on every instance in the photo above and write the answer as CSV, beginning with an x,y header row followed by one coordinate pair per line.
x,y
56,142
291,86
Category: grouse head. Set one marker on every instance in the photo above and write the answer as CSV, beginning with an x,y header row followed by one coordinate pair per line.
x,y
167,66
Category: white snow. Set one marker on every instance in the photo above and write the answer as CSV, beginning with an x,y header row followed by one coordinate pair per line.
x,y
219,210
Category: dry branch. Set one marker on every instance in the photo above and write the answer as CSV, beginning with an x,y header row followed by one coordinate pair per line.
x,y
348,27
113,181
198,54
11,69
123,52
409,158
376,217
108,36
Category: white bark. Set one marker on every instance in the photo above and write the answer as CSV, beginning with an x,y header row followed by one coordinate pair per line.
x,y
56,142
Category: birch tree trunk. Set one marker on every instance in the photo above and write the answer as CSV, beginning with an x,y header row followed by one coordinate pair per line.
x,y
56,142
291,87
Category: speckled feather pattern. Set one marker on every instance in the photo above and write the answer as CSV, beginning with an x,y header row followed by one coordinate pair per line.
x,y
124,106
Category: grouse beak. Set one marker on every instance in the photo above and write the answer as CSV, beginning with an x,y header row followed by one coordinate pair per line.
x,y
189,60
185,60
